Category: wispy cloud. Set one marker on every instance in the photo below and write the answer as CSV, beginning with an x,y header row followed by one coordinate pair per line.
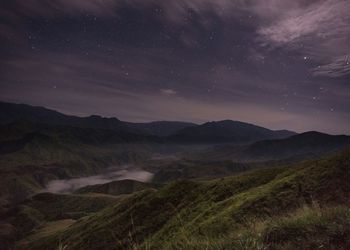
x,y
340,66
320,31
168,92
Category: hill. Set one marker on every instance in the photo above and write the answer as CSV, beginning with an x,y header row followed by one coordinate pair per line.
x,y
301,146
33,154
308,143
117,187
226,131
224,160
21,129
10,112
281,208
44,208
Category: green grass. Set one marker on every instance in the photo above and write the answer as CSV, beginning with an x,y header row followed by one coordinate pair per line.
x,y
44,208
311,228
47,229
218,214
62,206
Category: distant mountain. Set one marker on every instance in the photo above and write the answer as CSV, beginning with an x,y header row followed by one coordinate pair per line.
x,y
15,135
10,112
227,131
160,128
309,143
296,147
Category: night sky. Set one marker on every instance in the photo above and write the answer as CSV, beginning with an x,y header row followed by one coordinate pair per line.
x,y
277,63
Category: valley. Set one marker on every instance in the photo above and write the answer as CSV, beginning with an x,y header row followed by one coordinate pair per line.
x,y
87,183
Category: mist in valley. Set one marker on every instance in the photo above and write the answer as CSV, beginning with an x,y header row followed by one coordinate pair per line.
x,y
70,185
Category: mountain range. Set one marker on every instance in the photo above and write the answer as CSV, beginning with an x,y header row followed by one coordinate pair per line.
x,y
178,132
10,112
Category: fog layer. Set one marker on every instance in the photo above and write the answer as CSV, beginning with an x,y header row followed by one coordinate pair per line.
x,y
69,185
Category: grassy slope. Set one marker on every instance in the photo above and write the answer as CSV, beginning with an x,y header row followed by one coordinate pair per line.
x,y
48,229
171,170
61,206
40,209
215,213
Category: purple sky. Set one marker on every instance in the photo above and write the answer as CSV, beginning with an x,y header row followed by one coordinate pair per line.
x,y
275,63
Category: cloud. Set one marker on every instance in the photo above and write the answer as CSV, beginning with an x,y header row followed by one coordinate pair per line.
x,y
322,20
168,92
174,10
340,66
321,31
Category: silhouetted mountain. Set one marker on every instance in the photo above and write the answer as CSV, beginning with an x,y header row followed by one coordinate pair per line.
x,y
10,112
17,134
160,128
227,131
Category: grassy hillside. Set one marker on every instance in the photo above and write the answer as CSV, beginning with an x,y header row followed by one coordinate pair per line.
x,y
190,169
170,170
280,208
44,208
63,206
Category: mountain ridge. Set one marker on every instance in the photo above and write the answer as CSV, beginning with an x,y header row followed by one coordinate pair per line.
x,y
10,112
174,131
226,131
